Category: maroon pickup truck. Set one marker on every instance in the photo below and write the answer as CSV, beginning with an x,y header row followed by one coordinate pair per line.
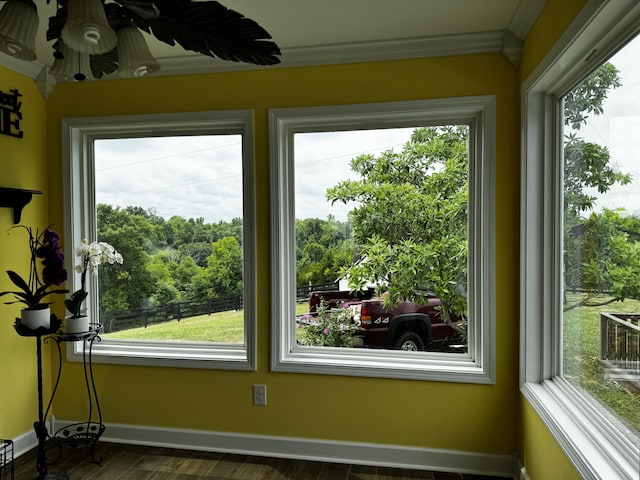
x,y
406,326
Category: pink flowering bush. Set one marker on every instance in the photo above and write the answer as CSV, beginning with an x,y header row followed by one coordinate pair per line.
x,y
330,327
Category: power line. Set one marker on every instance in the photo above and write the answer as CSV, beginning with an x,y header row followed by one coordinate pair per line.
x,y
167,187
165,157
360,152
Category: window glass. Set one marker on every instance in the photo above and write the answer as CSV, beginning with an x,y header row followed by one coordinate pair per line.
x,y
381,238
601,231
172,206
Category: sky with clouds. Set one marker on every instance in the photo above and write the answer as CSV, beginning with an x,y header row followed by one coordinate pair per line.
x,y
199,176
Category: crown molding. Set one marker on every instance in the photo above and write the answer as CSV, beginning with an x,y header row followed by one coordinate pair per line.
x,y
424,47
463,44
525,16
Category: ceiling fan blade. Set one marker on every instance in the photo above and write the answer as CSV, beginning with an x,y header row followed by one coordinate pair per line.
x,y
208,28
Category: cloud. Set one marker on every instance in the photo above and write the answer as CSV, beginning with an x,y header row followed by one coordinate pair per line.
x,y
195,176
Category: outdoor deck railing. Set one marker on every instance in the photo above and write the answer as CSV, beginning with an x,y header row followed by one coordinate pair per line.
x,y
620,343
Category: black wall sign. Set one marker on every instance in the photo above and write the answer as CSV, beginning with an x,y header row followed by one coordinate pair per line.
x,y
10,114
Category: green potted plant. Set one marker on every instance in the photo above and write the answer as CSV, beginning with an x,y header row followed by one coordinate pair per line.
x,y
92,255
32,291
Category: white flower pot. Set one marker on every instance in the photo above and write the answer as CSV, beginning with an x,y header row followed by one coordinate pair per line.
x,y
76,324
34,319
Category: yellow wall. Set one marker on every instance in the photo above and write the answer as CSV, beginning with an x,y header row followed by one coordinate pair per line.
x,y
24,165
540,453
542,456
550,25
477,418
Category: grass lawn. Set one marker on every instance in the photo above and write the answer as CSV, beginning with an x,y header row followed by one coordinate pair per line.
x,y
582,367
221,327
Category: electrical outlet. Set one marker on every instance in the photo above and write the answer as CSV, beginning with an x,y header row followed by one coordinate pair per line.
x,y
259,394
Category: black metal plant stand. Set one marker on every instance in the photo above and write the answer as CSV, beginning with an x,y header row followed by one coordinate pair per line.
x,y
84,434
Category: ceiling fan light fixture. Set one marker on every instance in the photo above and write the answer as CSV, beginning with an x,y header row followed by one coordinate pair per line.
x,y
18,28
135,59
72,66
87,29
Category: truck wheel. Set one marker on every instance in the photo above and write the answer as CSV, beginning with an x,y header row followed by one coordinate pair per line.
x,y
409,341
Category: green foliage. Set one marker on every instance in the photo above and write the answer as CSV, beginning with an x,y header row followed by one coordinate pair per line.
x,y
411,221
589,97
600,251
223,275
168,260
587,165
601,259
323,248
329,327
131,285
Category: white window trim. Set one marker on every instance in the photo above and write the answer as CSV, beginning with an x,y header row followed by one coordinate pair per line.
x,y
478,365
78,135
595,444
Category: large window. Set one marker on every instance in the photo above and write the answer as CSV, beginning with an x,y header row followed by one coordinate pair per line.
x,y
382,239
173,195
580,239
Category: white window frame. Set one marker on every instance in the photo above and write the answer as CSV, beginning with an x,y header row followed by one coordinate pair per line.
x,y
478,365
78,135
597,446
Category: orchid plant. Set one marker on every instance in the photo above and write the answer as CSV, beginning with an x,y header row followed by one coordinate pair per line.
x,y
32,291
92,255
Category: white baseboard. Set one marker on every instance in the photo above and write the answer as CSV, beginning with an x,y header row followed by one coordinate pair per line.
x,y
519,472
310,449
24,443
523,474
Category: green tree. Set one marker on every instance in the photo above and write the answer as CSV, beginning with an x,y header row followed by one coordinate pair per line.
x,y
198,252
323,249
130,285
223,275
164,290
411,218
598,255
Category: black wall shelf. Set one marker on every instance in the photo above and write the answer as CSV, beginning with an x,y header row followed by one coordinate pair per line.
x,y
16,198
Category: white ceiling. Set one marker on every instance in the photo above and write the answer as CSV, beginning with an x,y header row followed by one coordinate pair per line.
x,y
333,31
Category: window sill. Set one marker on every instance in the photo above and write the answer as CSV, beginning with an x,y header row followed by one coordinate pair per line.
x,y
444,367
164,354
591,443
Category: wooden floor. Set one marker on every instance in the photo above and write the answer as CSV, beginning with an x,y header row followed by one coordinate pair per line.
x,y
133,462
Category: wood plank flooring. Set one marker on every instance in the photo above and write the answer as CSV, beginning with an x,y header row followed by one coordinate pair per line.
x,y
136,462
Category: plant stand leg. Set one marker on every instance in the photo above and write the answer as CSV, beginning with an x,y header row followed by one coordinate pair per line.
x,y
41,428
